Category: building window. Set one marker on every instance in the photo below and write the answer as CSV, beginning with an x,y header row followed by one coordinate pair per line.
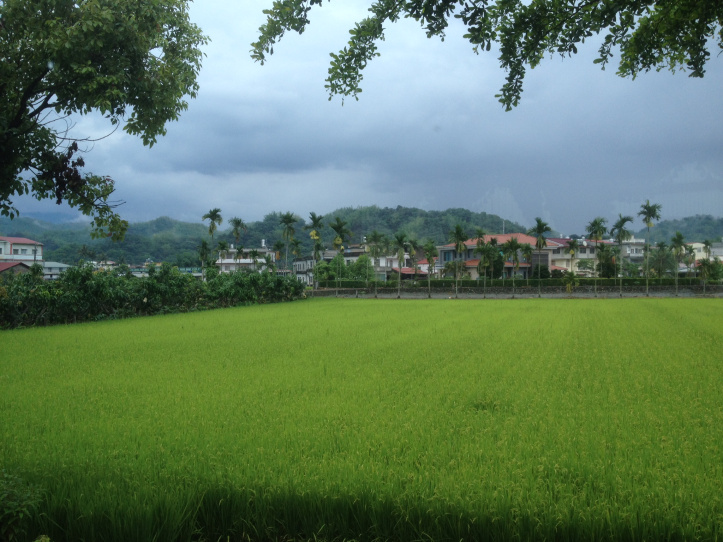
x,y
556,251
16,251
583,251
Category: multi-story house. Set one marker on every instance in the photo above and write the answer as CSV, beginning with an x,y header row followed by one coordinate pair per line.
x,y
561,259
234,260
20,249
447,254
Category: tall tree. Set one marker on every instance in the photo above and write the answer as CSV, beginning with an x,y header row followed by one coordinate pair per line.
x,y
315,226
430,253
539,230
596,229
237,227
648,35
649,212
511,248
401,244
487,253
278,247
287,221
621,234
457,237
677,244
526,251
133,63
342,234
414,248
707,248
662,258
340,229
254,254
572,247
374,241
214,220
204,251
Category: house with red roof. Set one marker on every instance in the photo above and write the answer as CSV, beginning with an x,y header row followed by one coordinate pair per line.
x,y
20,249
13,268
448,253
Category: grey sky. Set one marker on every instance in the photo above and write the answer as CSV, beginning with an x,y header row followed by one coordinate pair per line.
x,y
427,132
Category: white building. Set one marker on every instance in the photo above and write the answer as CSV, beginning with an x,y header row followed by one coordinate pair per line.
x,y
20,249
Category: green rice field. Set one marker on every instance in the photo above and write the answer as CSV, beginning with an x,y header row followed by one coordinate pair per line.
x,y
337,419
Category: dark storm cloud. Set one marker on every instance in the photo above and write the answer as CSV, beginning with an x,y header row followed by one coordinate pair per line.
x,y
427,132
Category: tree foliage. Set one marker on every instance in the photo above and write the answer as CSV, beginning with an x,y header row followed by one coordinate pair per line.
x,y
650,35
83,293
132,62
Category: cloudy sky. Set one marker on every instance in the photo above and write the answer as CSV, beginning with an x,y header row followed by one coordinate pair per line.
x,y
426,132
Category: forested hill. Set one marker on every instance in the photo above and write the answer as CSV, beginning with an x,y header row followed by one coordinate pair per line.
x,y
693,228
168,240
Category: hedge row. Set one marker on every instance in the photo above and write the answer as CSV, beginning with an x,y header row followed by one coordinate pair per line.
x,y
499,283
82,294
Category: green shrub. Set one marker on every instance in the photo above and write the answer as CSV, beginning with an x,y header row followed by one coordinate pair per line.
x,y
18,503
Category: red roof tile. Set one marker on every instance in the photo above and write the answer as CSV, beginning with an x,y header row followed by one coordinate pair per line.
x,y
20,240
4,266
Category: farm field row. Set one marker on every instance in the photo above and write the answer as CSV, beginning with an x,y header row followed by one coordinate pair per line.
x,y
374,420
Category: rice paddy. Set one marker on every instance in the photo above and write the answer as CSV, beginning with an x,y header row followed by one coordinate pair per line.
x,y
374,420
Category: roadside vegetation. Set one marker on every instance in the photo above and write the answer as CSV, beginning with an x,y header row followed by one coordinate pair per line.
x,y
337,419
85,294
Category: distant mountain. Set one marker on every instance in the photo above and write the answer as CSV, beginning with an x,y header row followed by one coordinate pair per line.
x,y
694,228
168,240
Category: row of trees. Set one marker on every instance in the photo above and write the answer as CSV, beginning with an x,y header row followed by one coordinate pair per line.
x,y
85,294
609,261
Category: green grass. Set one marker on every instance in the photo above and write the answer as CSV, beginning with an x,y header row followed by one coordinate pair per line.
x,y
375,419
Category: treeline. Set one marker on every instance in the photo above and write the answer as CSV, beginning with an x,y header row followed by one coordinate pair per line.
x,y
167,240
84,294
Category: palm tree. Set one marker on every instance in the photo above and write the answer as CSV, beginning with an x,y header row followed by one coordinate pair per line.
x,y
479,243
661,258
287,221
222,249
204,252
677,244
431,253
621,234
526,251
254,255
572,247
342,233
215,220
374,241
689,258
457,237
539,230
296,247
238,255
706,268
511,248
414,247
278,247
315,226
487,253
707,248
648,212
596,230
400,246
237,226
